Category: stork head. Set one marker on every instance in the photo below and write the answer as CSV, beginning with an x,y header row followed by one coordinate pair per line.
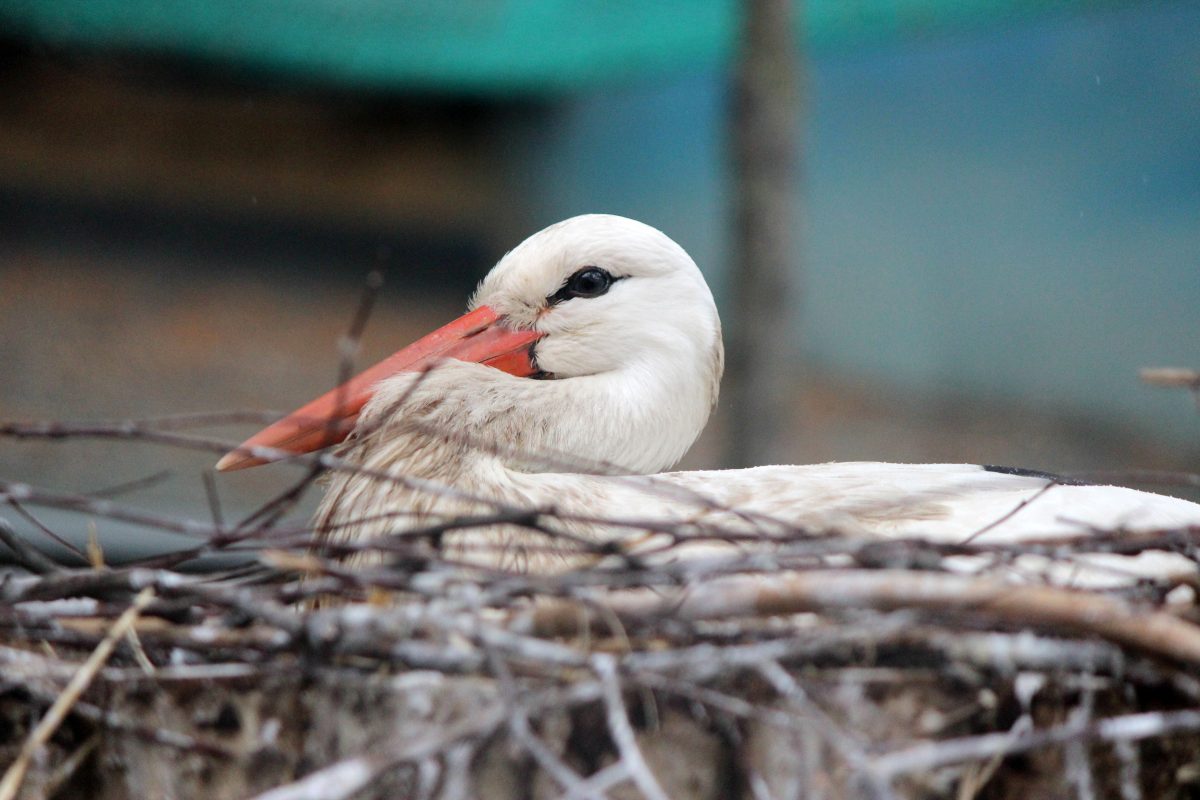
x,y
597,321
608,295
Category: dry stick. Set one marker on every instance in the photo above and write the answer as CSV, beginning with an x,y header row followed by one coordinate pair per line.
x,y
341,779
983,772
723,702
851,750
68,768
218,538
134,485
1171,377
344,778
781,556
214,499
1130,727
14,492
221,538
11,783
707,661
1077,765
619,727
270,512
13,500
25,554
522,731
275,508
169,584
145,431
1182,539
598,783
171,422
1129,770
1047,607
267,514
1011,513
1174,377
214,535
44,677
137,432
349,344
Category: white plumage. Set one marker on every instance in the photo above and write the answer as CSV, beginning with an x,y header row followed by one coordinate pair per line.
x,y
631,374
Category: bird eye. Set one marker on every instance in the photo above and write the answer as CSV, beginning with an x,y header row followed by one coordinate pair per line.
x,y
587,282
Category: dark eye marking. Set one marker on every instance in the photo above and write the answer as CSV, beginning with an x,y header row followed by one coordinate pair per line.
x,y
586,282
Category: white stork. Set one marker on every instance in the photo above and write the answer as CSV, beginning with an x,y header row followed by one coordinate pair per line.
x,y
588,363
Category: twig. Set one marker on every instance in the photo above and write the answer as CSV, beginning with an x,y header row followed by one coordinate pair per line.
x,y
343,778
54,717
1171,377
132,486
1011,513
273,509
621,730
691,629
519,727
151,431
214,499
1078,768
983,772
1130,727
349,343
25,554
14,499
1129,779
852,751
1047,607
23,492
339,780
268,513
67,768
598,783
1174,377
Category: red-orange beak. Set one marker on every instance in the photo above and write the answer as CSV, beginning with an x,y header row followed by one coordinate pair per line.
x,y
477,336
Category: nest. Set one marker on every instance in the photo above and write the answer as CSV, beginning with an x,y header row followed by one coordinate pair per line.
x,y
824,667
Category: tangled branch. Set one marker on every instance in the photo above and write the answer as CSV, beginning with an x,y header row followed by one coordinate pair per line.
x,y
734,639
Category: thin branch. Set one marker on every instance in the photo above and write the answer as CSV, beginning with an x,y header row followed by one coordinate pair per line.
x,y
522,732
1045,607
132,486
25,554
1025,503
15,775
1129,727
852,751
214,499
1171,377
16,503
344,778
621,730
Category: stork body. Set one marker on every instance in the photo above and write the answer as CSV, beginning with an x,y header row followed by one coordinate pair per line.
x,y
609,353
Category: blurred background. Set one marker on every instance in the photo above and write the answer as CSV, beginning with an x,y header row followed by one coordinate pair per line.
x,y
986,214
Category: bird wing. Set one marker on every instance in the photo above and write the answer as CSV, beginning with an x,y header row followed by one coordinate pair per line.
x,y
943,502
947,504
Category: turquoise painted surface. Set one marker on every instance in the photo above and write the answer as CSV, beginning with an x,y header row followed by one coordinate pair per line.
x,y
477,46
